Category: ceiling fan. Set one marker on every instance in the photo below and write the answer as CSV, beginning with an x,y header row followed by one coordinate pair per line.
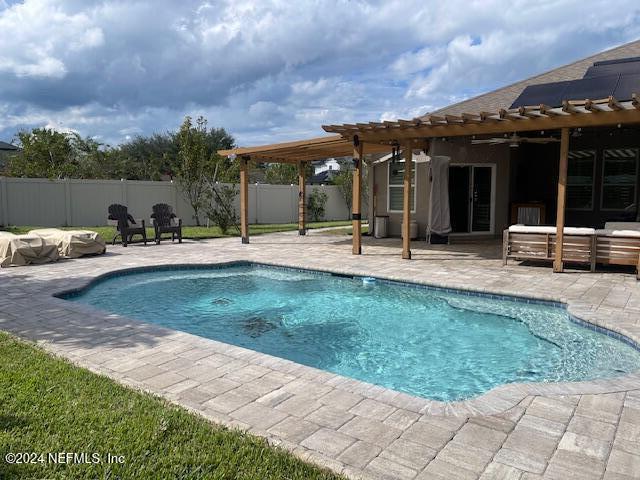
x,y
513,140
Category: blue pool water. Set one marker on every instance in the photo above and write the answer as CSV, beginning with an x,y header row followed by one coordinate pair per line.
x,y
430,343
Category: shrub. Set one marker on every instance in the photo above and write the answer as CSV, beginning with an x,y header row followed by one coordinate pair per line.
x,y
316,205
220,208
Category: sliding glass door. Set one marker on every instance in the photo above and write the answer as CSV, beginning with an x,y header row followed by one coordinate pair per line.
x,y
472,198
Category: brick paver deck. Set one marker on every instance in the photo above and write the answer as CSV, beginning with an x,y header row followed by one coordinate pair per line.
x,y
585,430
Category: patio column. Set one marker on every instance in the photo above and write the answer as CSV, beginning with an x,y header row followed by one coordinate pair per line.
x,y
301,199
558,265
244,199
357,196
407,150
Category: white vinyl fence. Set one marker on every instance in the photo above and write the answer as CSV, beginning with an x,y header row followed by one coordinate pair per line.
x,y
43,202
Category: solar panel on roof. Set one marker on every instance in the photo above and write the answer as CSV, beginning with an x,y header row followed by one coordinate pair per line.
x,y
597,70
627,85
617,60
593,87
547,93
619,78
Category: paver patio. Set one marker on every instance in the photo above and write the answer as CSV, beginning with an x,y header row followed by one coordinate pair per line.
x,y
580,430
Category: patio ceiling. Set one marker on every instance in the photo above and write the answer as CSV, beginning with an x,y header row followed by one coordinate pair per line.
x,y
303,150
572,114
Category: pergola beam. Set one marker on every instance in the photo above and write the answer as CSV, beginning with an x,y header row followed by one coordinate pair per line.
x,y
356,215
302,191
614,104
244,199
548,111
558,264
304,150
570,116
407,150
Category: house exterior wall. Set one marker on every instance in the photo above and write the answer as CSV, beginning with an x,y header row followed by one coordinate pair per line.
x,y
422,199
534,175
461,152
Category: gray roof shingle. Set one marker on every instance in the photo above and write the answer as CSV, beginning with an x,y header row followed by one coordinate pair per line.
x,y
7,146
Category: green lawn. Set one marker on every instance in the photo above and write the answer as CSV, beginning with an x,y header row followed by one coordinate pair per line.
x,y
48,405
196,233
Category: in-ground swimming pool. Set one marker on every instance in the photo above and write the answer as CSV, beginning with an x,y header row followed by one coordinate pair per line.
x,y
426,342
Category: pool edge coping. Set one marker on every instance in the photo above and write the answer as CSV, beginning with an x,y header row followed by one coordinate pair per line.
x,y
498,399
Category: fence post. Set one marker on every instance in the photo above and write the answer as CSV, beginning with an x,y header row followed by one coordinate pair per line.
x,y
175,196
257,202
123,183
67,203
4,201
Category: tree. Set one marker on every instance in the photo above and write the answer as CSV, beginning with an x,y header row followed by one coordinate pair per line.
x,y
344,181
286,173
220,208
89,158
148,158
316,204
45,153
199,166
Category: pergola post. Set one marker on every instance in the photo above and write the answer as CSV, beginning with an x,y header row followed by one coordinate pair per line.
x,y
406,201
301,199
357,196
558,265
244,199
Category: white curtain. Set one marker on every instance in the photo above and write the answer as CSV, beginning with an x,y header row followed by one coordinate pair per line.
x,y
439,217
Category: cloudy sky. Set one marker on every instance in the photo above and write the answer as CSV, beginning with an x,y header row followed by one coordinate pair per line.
x,y
275,70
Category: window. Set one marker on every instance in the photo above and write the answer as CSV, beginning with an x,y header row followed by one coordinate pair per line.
x,y
580,177
394,192
619,177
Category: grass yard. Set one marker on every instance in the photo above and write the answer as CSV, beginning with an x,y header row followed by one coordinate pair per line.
x,y
196,233
48,405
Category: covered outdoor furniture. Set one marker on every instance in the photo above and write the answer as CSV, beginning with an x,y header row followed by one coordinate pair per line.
x,y
73,243
165,221
619,244
523,242
19,250
120,217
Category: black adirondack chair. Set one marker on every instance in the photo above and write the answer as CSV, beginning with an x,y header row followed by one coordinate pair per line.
x,y
120,214
163,222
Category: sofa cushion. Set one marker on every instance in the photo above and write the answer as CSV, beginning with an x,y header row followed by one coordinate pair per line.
x,y
550,229
606,232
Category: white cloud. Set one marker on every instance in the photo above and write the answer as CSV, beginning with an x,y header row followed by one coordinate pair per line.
x,y
277,70
42,67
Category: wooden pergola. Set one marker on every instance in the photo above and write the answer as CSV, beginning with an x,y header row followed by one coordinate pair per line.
x,y
300,153
380,137
416,133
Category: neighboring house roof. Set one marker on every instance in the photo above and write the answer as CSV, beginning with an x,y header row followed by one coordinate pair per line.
x,y
7,146
505,96
323,177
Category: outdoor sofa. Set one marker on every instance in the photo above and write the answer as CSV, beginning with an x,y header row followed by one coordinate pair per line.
x,y
617,244
19,250
73,243
524,242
